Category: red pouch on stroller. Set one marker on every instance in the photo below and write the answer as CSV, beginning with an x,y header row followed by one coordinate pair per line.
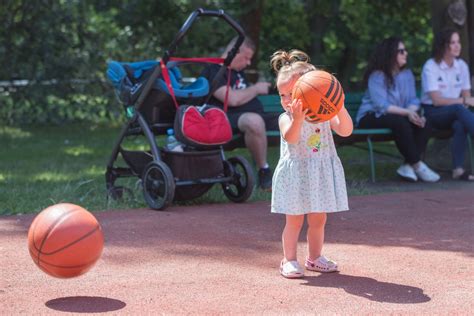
x,y
200,126
205,125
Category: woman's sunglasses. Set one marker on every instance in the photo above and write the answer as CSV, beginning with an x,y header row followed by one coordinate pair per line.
x,y
402,51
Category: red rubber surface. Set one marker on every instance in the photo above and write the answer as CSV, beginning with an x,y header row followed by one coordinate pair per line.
x,y
401,253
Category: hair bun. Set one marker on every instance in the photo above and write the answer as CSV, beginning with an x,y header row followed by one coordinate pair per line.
x,y
279,59
283,58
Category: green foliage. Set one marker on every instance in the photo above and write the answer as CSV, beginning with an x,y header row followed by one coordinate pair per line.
x,y
284,26
368,22
52,43
347,31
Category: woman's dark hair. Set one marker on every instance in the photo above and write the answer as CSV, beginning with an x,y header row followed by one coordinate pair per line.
x,y
441,43
384,59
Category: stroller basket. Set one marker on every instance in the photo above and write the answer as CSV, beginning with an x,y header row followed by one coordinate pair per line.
x,y
193,166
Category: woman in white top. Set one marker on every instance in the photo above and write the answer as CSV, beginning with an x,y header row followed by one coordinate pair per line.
x,y
447,96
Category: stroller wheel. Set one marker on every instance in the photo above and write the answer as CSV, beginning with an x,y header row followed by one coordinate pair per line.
x,y
158,185
240,188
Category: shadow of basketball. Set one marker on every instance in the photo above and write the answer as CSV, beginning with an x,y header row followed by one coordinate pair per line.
x,y
85,304
370,288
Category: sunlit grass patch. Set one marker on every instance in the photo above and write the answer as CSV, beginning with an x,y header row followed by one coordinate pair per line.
x,y
78,150
13,132
50,177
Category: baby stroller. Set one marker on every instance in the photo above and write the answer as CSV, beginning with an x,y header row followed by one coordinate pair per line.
x,y
166,175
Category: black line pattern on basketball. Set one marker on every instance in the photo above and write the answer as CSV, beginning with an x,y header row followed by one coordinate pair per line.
x,y
47,264
338,93
310,111
314,88
51,227
323,110
72,243
340,96
330,87
304,97
338,87
33,229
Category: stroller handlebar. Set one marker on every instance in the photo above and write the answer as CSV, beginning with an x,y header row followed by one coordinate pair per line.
x,y
184,29
190,20
221,14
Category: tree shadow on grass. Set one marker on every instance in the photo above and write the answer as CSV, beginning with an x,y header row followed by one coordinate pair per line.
x,y
370,289
85,304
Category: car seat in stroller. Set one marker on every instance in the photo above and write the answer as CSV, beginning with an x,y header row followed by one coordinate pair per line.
x,y
129,78
166,175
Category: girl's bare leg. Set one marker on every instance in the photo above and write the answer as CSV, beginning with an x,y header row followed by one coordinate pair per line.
x,y
315,234
290,236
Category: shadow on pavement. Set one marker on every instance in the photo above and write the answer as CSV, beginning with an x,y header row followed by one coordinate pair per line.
x,y
85,304
369,288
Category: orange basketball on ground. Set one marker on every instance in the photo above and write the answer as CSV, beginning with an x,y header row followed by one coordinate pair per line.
x,y
65,240
321,93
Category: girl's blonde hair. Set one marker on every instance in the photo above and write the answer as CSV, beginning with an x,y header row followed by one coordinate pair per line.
x,y
288,64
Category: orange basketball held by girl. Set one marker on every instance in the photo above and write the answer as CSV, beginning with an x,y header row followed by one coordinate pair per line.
x,y
320,93
309,178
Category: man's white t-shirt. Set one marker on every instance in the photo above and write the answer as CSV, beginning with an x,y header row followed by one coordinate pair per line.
x,y
450,81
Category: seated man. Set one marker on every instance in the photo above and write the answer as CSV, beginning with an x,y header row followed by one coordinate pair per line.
x,y
245,111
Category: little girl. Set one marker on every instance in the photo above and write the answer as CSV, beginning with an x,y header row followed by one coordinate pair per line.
x,y
309,178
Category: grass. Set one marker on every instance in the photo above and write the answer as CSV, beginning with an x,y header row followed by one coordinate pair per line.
x,y
42,165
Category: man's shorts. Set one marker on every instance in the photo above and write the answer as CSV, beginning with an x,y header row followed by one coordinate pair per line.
x,y
270,119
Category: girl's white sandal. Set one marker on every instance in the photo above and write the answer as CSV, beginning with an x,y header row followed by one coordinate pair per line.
x,y
291,270
321,264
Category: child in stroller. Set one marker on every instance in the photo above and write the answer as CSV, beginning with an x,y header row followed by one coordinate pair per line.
x,y
148,99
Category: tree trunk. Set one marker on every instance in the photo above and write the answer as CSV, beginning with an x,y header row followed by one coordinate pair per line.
x,y
346,65
317,25
251,21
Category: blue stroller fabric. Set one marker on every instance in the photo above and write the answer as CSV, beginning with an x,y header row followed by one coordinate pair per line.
x,y
129,78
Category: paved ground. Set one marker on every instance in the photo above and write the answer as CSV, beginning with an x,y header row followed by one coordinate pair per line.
x,y
400,253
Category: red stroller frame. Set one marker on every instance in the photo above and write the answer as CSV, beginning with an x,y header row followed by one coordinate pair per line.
x,y
167,176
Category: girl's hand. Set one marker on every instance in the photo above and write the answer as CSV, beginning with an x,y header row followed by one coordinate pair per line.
x,y
296,110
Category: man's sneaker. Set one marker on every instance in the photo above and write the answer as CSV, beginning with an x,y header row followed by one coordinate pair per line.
x,y
425,173
407,172
265,179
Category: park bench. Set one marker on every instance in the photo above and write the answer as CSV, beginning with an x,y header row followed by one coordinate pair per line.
x,y
271,103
